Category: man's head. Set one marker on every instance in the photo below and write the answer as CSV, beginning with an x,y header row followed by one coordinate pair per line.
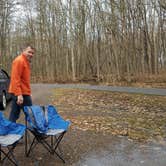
x,y
29,52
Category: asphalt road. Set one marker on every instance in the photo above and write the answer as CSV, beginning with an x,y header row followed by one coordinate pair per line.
x,y
147,91
121,151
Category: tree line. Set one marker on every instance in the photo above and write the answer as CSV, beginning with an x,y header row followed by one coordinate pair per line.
x,y
76,40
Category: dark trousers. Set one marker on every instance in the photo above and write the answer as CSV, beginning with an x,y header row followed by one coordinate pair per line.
x,y
15,108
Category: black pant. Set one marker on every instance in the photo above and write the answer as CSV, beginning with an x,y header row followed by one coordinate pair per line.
x,y
15,108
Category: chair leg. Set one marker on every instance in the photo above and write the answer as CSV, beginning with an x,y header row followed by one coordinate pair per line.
x,y
51,147
26,143
26,139
59,156
12,155
0,154
9,155
58,140
46,145
32,145
54,140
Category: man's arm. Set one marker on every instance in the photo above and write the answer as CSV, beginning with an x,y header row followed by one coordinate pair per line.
x,y
17,74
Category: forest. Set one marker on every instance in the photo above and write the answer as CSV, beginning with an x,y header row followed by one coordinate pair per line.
x,y
105,41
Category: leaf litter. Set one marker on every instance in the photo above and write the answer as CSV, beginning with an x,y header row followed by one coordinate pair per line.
x,y
139,117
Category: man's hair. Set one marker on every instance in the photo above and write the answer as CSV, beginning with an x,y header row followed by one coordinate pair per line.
x,y
26,45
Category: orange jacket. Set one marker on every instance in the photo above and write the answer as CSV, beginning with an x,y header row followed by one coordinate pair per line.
x,y
20,76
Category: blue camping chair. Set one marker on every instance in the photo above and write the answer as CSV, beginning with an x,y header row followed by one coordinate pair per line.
x,y
44,122
10,134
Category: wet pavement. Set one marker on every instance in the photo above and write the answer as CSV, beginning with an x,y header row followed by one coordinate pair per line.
x,y
124,152
121,151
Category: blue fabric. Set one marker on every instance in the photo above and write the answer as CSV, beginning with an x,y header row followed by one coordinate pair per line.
x,y
8,127
36,118
54,119
46,119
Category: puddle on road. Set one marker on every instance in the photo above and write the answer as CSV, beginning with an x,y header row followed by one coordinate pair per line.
x,y
127,153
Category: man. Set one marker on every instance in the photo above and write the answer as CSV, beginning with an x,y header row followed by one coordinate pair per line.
x,y
20,82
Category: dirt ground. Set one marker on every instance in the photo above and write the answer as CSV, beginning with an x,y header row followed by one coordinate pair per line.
x,y
75,143
97,119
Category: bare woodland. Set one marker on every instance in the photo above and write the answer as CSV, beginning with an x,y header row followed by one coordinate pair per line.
x,y
76,40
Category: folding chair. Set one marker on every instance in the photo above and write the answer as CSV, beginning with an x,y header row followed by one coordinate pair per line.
x,y
44,122
10,134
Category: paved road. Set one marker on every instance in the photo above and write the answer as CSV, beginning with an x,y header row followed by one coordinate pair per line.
x,y
149,91
121,151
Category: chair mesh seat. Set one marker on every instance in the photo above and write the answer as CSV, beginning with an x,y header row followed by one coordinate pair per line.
x,y
10,134
6,140
54,131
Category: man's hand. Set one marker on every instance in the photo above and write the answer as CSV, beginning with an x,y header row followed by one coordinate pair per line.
x,y
19,99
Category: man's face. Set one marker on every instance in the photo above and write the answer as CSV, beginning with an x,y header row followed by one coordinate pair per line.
x,y
29,52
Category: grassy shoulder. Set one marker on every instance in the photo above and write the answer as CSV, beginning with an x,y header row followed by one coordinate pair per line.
x,y
140,117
